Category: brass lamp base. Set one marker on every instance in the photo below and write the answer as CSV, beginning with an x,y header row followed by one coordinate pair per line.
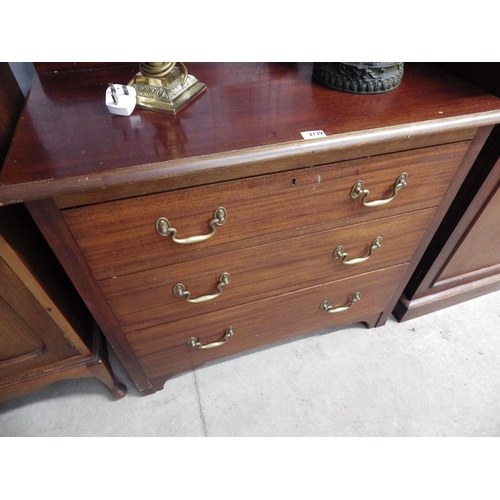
x,y
168,94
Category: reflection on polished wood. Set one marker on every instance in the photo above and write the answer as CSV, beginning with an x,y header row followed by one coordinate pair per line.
x,y
246,106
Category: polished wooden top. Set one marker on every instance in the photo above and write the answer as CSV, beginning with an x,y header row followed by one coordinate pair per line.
x,y
67,141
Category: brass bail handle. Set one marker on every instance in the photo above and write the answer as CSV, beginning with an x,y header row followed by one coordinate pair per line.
x,y
194,342
164,228
180,290
359,189
325,305
339,252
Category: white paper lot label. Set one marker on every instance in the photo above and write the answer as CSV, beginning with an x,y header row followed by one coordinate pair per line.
x,y
313,134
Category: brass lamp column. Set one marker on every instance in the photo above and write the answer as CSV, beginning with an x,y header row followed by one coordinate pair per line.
x,y
161,86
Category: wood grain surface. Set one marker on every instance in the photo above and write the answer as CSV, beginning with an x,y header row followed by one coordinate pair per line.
x,y
68,143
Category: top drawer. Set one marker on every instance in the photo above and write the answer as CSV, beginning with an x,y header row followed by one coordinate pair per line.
x,y
121,237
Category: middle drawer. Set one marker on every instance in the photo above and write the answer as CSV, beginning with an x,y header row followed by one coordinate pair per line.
x,y
147,298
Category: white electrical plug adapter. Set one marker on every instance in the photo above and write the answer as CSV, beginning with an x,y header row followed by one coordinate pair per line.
x,y
120,99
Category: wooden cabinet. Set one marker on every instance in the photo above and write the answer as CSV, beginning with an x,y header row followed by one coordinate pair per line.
x,y
196,236
46,333
462,260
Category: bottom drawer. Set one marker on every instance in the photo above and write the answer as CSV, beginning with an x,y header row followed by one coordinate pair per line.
x,y
164,351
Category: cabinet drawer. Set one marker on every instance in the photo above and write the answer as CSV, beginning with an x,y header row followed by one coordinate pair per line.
x,y
164,351
147,298
121,237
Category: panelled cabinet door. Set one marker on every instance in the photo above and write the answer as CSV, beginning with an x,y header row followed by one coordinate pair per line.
x,y
479,251
19,344
46,333
28,336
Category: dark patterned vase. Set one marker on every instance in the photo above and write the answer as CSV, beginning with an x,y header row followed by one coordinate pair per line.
x,y
361,77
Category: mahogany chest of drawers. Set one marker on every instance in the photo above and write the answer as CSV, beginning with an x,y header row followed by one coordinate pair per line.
x,y
220,229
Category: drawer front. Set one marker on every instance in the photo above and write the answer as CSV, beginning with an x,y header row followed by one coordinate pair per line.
x,y
164,351
147,298
121,237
